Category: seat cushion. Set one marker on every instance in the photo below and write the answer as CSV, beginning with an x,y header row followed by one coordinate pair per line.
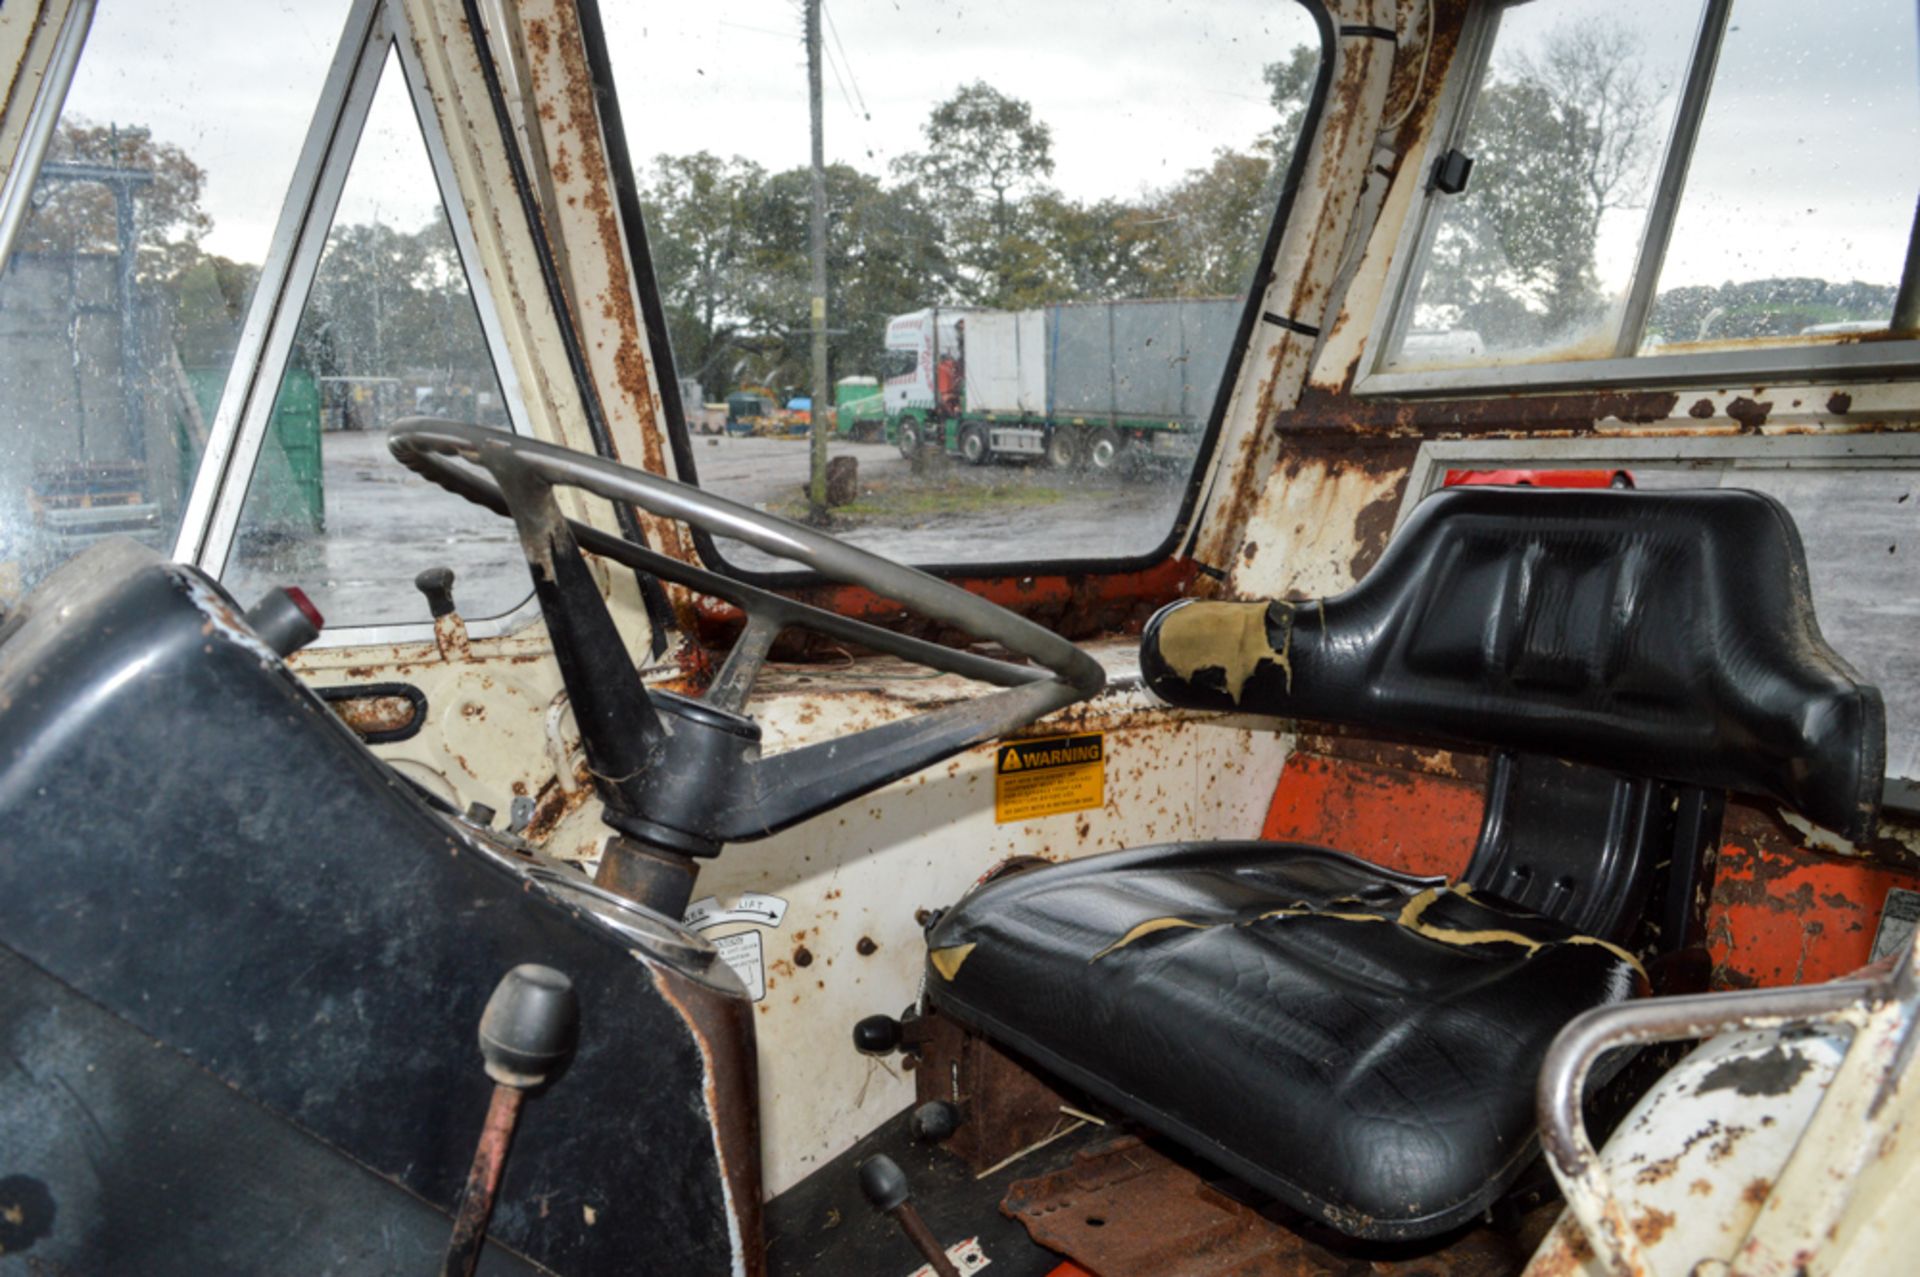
x,y
1361,1043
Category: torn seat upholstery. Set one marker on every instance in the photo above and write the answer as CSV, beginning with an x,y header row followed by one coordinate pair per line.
x,y
1361,1043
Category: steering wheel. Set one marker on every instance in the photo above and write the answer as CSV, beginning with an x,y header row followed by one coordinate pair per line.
x,y
685,775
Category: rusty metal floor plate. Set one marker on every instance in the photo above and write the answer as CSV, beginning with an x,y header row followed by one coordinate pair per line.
x,y
1122,1210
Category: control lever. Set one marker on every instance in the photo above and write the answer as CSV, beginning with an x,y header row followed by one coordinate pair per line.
x,y
449,630
437,585
885,1185
527,1033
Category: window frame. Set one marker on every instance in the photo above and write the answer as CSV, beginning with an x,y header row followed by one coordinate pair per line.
x,y
679,436
373,32
1841,358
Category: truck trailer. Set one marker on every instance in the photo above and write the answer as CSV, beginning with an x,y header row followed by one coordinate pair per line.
x,y
1094,384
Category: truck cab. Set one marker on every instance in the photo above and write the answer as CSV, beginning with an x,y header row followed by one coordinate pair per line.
x,y
1153,820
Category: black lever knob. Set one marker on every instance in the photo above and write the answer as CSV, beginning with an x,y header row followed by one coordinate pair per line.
x,y
877,1035
885,1185
934,1121
526,1034
437,585
528,1029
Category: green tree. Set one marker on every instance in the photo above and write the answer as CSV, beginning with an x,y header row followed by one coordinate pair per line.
x,y
1560,141
699,212
392,303
1209,228
884,258
1290,88
986,155
78,215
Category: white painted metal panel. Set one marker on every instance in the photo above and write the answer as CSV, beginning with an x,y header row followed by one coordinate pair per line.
x,y
993,361
1032,344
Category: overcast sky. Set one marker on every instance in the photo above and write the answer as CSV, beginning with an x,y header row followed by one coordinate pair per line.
x,y
1132,103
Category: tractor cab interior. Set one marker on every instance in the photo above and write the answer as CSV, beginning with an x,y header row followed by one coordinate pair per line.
x,y
1314,679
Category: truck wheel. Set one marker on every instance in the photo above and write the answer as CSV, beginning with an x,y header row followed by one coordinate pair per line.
x,y
1063,449
1103,450
908,439
974,449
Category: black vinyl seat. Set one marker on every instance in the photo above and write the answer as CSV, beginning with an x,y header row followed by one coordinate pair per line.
x,y
1361,1043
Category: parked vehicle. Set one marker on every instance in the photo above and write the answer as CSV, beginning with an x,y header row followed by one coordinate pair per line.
x,y
1099,384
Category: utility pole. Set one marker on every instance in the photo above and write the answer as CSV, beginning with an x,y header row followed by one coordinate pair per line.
x,y
822,392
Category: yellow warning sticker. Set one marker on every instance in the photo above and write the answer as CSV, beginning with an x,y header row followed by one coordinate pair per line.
x,y
1049,776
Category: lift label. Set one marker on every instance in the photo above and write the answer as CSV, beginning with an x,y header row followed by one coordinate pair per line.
x,y
1050,776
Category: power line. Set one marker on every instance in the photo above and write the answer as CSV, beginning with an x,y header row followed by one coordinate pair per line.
x,y
834,66
834,30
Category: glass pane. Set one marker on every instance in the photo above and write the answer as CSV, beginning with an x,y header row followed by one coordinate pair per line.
x,y
1534,260
1042,224
390,330
1860,526
121,305
1800,195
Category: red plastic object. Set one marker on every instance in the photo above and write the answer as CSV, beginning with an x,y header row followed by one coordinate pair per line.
x,y
1543,478
305,604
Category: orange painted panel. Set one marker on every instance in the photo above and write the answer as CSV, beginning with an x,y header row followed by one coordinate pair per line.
x,y
1396,819
1780,914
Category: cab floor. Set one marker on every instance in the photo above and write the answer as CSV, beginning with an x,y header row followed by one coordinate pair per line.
x,y
823,1225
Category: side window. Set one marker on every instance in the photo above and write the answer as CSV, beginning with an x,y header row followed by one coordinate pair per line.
x,y
121,304
1042,227
390,330
1659,180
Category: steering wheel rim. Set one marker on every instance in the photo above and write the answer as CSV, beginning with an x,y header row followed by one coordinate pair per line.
x,y
422,444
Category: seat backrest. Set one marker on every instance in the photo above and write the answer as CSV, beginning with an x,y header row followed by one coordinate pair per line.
x,y
1667,635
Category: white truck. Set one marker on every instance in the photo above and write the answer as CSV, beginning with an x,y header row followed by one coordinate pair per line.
x,y
1079,383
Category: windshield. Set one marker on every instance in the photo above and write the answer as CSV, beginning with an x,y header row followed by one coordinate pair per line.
x,y
1041,224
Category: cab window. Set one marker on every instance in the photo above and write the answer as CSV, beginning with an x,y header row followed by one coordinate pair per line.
x,y
1637,191
1042,226
132,270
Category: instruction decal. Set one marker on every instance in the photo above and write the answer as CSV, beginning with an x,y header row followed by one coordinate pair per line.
x,y
743,953
1898,916
752,906
1049,776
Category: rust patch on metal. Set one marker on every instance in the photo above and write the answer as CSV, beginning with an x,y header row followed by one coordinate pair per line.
x,y
1702,408
580,122
1840,403
375,715
1004,1107
867,947
1652,1226
722,1027
553,804
1751,413
1324,411
1757,1191
1373,528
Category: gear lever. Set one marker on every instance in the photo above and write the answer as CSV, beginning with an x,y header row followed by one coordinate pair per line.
x,y
885,1185
527,1033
